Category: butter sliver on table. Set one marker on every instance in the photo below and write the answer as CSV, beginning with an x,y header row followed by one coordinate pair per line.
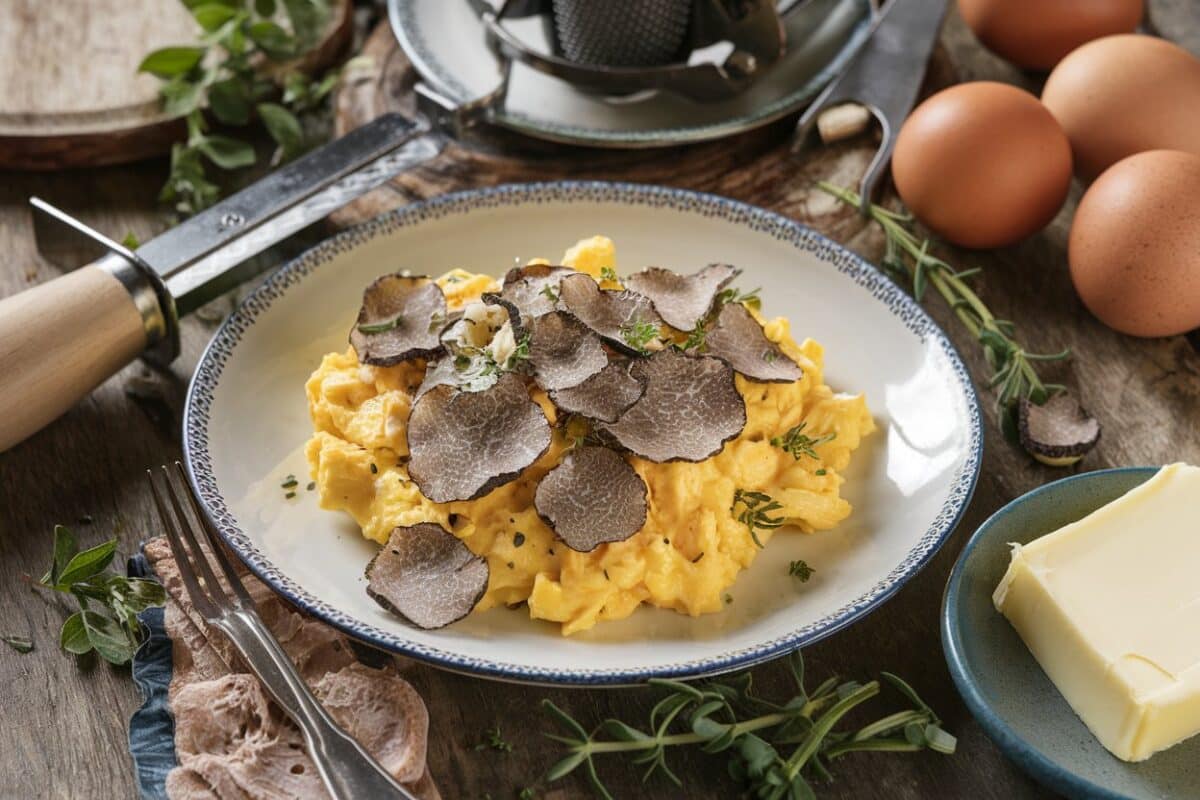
x,y
1110,608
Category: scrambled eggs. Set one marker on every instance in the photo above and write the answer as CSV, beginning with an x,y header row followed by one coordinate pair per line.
x,y
691,547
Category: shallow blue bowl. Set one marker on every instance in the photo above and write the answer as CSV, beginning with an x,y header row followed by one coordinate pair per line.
x,y
1003,685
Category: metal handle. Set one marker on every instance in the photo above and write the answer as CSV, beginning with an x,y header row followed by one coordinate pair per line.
x,y
348,771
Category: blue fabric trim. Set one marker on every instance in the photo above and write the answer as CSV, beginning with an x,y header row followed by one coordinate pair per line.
x,y
152,728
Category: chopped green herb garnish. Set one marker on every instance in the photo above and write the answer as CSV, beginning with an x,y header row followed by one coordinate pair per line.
x,y
728,598
311,485
800,569
18,643
290,483
797,443
380,327
755,512
697,558
492,740
374,469
639,334
606,575
289,495
696,339
608,274
821,471
749,299
518,539
549,293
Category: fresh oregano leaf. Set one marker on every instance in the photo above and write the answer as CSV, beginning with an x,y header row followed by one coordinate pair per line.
x,y
109,639
88,563
227,152
73,638
283,126
65,549
171,61
19,643
212,16
229,100
273,39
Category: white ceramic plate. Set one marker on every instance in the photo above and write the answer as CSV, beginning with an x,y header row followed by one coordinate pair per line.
x,y
246,422
444,40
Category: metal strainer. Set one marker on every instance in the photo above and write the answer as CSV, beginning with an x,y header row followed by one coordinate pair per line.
x,y
620,33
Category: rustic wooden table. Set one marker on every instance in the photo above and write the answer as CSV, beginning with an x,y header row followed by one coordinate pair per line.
x,y
64,731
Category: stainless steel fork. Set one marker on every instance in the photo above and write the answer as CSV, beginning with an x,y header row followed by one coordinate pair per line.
x,y
347,769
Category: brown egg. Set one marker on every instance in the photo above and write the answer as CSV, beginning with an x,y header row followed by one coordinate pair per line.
x,y
1122,95
982,164
1135,244
1036,34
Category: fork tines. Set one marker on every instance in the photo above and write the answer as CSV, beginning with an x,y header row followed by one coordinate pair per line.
x,y
207,593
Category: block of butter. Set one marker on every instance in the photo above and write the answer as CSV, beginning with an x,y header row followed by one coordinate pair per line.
x,y
1110,608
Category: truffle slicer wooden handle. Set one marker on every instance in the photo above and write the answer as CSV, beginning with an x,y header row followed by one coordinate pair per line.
x,y
60,340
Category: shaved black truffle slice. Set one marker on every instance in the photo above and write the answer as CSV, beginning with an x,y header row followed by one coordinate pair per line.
x,y
592,497
625,319
604,396
690,408
682,300
563,352
534,288
427,576
464,444
739,339
400,318
520,325
1059,432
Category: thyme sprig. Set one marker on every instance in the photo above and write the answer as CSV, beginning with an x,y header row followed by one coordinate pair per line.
x,y
776,750
639,334
800,570
755,512
797,443
114,631
909,259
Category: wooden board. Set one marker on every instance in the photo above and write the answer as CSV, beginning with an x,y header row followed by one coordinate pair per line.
x,y
70,93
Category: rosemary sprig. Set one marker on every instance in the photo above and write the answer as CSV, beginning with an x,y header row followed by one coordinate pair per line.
x,y
800,570
114,632
755,513
908,258
797,443
775,749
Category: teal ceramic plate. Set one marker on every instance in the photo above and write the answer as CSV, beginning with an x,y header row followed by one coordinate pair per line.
x,y
1003,685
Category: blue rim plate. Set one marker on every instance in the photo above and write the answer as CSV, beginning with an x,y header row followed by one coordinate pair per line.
x,y
1003,685
245,422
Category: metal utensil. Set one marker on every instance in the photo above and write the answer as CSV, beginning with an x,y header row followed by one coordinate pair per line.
x,y
885,77
347,769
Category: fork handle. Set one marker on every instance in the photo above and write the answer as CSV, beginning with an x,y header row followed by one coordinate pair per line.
x,y
348,771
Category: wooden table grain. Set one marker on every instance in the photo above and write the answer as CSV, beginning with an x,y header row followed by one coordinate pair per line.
x,y
64,727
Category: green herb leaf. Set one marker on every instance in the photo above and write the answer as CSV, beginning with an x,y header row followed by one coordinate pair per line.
x,y
19,643
181,96
273,39
800,570
88,563
755,513
797,443
171,61
65,549
638,335
284,128
307,17
108,638
227,152
229,100
265,8
212,16
73,638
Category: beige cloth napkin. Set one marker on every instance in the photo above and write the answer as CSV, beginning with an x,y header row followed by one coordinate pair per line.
x,y
233,743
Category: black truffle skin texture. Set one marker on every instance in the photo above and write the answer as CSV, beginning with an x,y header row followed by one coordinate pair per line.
x,y
682,300
563,352
427,576
463,445
690,409
611,314
420,306
738,339
603,397
591,498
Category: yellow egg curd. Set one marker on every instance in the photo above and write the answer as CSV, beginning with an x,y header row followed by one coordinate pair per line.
x,y
692,545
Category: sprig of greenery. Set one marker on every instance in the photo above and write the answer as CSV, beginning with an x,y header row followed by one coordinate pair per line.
x,y
800,570
639,334
609,274
749,299
226,72
775,750
114,631
797,443
909,259
493,740
755,513
21,644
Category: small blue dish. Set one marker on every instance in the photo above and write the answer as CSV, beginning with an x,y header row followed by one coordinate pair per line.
x,y
1002,683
